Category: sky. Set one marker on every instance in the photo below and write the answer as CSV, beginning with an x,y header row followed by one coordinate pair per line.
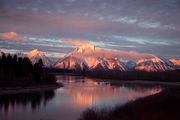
x,y
145,26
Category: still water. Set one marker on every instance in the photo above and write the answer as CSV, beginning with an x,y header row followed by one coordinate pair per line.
x,y
68,102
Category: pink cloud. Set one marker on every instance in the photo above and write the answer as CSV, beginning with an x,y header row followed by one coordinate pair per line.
x,y
108,53
12,36
76,42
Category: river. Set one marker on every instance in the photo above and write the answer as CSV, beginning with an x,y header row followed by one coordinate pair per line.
x,y
69,102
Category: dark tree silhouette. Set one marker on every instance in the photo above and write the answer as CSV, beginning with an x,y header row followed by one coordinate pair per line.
x,y
4,63
38,67
17,70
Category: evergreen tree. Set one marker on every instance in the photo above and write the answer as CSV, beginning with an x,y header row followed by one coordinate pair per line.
x,y
38,67
13,68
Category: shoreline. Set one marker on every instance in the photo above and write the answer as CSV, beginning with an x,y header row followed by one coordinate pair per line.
x,y
163,76
161,106
140,82
26,89
21,89
118,82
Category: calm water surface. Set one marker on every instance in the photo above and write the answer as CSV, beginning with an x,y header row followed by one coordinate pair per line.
x,y
68,102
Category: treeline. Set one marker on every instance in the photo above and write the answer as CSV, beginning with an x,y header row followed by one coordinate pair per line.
x,y
20,71
166,76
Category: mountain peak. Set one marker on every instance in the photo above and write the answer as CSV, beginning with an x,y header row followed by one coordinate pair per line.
x,y
35,55
35,52
86,47
156,59
90,46
152,65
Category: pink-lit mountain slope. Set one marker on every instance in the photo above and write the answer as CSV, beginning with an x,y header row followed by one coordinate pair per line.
x,y
35,55
89,58
153,65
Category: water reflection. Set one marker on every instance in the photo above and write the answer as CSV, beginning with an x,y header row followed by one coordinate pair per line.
x,y
93,93
68,102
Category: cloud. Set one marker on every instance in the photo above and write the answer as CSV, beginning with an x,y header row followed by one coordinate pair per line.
x,y
12,36
135,54
76,42
108,53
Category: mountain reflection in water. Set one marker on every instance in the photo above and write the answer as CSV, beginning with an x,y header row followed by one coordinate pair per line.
x,y
68,102
99,94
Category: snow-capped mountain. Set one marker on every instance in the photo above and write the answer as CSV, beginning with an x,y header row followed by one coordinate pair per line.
x,y
91,58
153,65
115,64
175,63
71,63
88,57
35,55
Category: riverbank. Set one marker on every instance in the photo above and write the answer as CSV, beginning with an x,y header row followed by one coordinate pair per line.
x,y
162,106
26,89
144,83
119,82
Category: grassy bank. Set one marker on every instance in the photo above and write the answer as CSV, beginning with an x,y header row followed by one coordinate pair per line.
x,y
162,106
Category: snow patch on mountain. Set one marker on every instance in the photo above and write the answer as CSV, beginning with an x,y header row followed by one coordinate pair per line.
x,y
87,58
35,55
175,62
152,65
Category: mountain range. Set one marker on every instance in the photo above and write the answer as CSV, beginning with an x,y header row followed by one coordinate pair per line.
x,y
90,58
